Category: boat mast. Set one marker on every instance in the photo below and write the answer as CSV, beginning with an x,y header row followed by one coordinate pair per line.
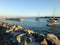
x,y
37,18
54,12
38,13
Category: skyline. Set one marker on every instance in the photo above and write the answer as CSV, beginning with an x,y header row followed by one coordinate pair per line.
x,y
11,8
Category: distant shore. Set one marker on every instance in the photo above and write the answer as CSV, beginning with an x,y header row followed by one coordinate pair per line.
x,y
22,18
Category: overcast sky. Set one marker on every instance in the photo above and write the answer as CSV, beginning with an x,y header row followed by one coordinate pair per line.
x,y
29,7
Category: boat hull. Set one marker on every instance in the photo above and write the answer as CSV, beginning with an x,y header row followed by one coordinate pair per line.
x,y
52,24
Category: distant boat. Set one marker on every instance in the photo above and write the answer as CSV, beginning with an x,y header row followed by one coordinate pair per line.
x,y
37,18
53,17
21,19
52,24
53,21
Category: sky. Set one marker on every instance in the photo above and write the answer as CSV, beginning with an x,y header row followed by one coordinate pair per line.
x,y
29,8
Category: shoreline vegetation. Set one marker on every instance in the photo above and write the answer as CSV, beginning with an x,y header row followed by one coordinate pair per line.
x,y
12,34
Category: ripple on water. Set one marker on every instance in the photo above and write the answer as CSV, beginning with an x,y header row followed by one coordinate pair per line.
x,y
38,26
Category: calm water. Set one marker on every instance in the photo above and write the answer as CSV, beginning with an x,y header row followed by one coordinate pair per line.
x,y
37,26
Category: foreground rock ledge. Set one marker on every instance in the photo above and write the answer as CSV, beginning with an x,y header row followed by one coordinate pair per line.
x,y
25,36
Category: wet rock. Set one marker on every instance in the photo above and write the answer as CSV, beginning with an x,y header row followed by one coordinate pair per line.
x,y
14,26
2,29
23,38
42,39
42,35
7,25
4,25
8,31
39,38
29,40
26,36
35,35
19,28
33,43
44,42
1,23
18,38
54,39
29,31
25,42
3,41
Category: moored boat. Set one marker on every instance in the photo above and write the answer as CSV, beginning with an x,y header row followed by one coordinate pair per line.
x,y
53,18
37,19
53,23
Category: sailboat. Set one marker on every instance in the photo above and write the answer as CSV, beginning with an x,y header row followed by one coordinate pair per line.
x,y
37,18
53,21
53,17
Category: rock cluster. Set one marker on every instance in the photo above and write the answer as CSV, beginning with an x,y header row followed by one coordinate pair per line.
x,y
11,34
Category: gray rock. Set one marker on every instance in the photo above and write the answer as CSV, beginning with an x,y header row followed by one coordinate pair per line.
x,y
54,39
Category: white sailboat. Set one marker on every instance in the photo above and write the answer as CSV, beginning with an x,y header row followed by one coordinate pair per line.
x,y
53,17
53,21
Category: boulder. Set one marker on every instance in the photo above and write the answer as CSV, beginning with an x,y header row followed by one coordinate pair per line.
x,y
29,31
44,42
25,42
19,28
18,38
0,23
13,26
4,25
53,38
29,40
8,31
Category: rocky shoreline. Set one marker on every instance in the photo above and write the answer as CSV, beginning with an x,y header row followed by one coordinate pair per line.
x,y
12,34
